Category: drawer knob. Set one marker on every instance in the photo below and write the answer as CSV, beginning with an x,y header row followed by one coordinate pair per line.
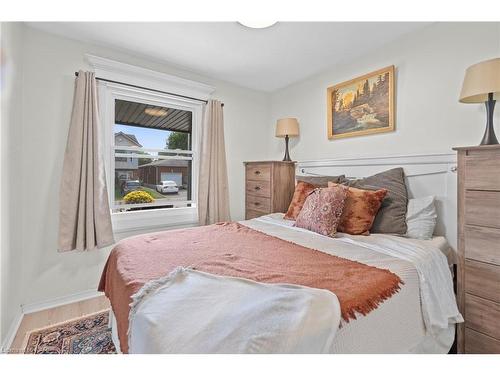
x,y
257,172
257,188
256,203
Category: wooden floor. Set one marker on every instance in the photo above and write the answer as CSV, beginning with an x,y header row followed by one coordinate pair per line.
x,y
44,318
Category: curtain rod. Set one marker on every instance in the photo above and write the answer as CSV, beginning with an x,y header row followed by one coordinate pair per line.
x,y
146,88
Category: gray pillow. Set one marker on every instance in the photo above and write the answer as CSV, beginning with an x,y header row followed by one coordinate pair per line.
x,y
321,181
391,218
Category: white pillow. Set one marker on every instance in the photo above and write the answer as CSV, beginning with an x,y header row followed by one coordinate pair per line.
x,y
421,218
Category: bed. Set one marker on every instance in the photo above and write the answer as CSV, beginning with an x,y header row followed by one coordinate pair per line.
x,y
416,315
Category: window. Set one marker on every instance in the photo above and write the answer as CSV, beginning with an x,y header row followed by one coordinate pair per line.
x,y
131,163
157,170
151,143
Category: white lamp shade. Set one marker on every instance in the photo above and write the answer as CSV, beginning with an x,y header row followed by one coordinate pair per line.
x,y
480,80
287,126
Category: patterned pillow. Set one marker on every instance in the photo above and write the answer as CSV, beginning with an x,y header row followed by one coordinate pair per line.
x,y
322,210
361,207
302,190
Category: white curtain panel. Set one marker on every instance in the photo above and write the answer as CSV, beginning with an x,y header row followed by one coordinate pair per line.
x,y
213,192
84,215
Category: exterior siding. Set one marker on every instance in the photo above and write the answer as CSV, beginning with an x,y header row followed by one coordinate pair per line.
x,y
125,166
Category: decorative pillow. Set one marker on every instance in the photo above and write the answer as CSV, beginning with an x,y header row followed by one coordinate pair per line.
x,y
391,217
306,184
361,207
421,218
302,190
320,181
322,210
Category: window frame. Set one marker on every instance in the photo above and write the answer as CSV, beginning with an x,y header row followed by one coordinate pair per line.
x,y
156,217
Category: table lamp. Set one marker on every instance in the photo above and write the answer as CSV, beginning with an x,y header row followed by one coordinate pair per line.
x,y
287,127
482,84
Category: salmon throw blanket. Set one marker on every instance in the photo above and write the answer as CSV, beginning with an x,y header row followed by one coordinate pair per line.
x,y
232,249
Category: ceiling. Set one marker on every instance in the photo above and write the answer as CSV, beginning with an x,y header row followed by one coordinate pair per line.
x,y
262,59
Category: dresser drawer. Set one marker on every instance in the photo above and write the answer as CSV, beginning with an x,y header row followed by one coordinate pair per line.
x,y
477,343
483,280
482,244
482,315
260,204
259,188
258,172
482,170
251,214
482,208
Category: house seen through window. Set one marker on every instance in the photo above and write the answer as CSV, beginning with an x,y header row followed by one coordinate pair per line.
x,y
152,157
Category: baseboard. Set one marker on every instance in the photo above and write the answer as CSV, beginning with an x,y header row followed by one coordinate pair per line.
x,y
11,333
29,308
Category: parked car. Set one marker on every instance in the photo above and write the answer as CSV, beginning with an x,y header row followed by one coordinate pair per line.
x,y
167,187
131,185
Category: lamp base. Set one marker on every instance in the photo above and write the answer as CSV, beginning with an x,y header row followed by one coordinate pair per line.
x,y
489,137
287,155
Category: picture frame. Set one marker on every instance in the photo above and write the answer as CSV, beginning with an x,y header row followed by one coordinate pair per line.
x,y
361,106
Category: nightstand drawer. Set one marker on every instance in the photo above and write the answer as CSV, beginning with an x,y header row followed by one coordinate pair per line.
x,y
482,315
477,343
260,204
482,208
482,170
251,214
259,188
482,244
483,280
258,172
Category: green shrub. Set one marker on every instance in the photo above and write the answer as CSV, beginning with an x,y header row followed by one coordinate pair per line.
x,y
138,197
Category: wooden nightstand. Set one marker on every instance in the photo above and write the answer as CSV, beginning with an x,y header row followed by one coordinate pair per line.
x,y
269,187
479,248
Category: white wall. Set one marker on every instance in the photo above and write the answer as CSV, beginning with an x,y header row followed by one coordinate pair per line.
x,y
430,66
49,64
11,255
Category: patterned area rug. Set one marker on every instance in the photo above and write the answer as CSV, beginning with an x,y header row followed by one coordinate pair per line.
x,y
85,335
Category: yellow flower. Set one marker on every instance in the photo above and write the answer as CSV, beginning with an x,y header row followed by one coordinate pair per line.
x,y
138,197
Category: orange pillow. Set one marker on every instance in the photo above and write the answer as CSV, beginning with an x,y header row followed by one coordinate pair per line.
x,y
361,207
302,190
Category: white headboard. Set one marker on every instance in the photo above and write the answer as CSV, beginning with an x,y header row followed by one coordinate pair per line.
x,y
426,175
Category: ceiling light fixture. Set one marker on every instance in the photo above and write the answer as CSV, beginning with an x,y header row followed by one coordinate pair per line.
x,y
157,112
258,24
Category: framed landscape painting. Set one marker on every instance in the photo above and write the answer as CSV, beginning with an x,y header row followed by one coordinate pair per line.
x,y
364,105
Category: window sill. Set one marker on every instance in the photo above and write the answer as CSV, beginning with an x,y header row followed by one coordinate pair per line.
x,y
150,220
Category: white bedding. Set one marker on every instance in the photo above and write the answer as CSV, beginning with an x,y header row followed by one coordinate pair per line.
x,y
195,312
418,319
398,325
